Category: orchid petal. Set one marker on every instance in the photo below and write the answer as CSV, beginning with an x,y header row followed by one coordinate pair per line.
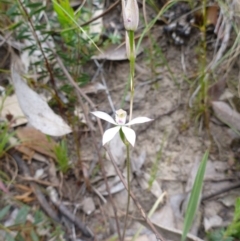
x,y
129,134
109,134
104,116
138,120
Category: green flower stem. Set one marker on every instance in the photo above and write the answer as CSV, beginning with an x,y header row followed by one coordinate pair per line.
x,y
132,72
128,183
132,69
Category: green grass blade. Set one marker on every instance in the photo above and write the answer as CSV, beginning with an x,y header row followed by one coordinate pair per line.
x,y
195,196
63,18
22,215
8,237
34,236
4,212
152,22
59,7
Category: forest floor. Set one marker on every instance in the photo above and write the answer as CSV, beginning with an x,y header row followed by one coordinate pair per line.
x,y
165,159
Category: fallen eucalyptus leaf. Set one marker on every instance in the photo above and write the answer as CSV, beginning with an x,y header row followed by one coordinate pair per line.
x,y
115,53
138,162
117,149
35,141
169,233
36,110
115,185
93,88
144,183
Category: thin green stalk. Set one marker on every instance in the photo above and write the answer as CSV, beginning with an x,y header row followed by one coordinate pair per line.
x,y
132,70
128,183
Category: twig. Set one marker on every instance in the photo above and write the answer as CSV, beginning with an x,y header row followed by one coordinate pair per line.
x,y
99,195
102,14
40,197
221,191
5,39
44,204
183,60
73,227
47,64
100,69
159,237
84,229
32,179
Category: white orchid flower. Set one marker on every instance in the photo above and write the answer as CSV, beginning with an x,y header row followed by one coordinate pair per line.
x,y
120,118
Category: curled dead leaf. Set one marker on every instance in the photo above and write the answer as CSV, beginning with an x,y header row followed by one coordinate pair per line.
x,y
226,114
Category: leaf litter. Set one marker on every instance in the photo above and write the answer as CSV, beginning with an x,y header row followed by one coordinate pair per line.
x,y
179,154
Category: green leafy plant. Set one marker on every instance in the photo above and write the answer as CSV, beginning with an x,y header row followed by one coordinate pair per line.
x,y
218,235
233,229
194,197
5,136
114,38
61,153
23,229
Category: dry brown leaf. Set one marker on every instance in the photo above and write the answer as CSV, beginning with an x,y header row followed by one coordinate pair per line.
x,y
216,90
25,197
27,152
164,216
169,233
52,172
35,141
92,88
226,114
144,183
212,15
23,187
115,53
115,185
11,107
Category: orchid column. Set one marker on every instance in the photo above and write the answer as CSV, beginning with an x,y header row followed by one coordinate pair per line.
x,y
130,19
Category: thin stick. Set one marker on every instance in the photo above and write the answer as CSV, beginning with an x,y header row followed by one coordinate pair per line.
x,y
128,182
159,237
102,14
100,69
49,69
